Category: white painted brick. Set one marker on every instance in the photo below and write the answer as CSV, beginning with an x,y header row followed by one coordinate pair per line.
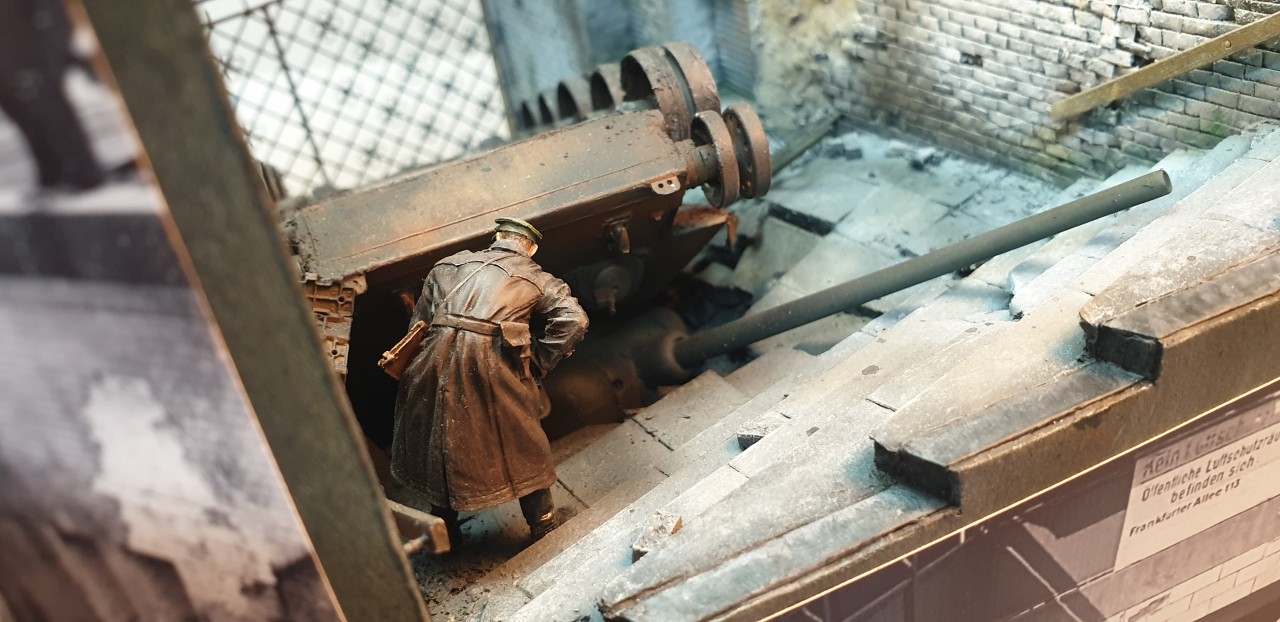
x,y
1190,587
1231,595
1213,590
1260,568
1193,614
1244,559
1133,16
1267,578
1171,609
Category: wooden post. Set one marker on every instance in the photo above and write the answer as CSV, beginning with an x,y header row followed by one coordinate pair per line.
x,y
1179,64
159,57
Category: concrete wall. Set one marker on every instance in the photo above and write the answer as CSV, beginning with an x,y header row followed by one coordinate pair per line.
x,y
981,76
538,43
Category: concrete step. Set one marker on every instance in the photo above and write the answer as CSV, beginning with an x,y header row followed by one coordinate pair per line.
x,y
1130,254
564,448
647,438
943,384
898,347
767,370
996,271
1188,171
695,479
1054,249
820,461
678,472
1044,353
690,409
1242,223
565,587
788,556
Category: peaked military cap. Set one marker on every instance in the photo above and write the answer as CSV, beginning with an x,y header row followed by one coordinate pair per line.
x,y
515,225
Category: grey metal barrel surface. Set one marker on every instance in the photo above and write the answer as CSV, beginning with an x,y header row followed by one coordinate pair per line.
x,y
699,347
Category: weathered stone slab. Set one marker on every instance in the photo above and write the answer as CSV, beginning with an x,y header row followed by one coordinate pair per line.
x,y
1204,248
1266,143
1188,170
720,436
1134,339
566,587
928,290
952,228
825,194
771,367
910,339
1013,198
834,260
690,409
1130,254
1187,180
563,448
779,246
925,461
998,270
833,470
1060,277
906,386
1065,243
707,492
890,213
613,459
1043,345
1255,203
918,300
815,337
788,556
842,389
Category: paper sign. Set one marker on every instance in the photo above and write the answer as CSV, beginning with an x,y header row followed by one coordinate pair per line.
x,y
1185,487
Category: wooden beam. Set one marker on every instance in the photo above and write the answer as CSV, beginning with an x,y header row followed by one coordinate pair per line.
x,y
157,52
1179,64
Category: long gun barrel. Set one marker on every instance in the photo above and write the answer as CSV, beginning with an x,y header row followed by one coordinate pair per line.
x,y
697,348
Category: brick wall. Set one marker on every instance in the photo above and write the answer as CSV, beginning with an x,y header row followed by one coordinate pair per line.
x,y
980,76
1211,590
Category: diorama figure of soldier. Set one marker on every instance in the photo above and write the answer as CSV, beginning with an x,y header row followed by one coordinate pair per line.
x,y
467,432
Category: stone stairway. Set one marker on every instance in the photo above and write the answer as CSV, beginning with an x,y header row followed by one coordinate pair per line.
x,y
830,438
793,515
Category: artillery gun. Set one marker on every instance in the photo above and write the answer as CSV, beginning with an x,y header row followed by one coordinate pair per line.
x,y
607,189
607,192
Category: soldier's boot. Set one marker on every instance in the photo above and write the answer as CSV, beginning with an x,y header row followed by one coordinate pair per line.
x,y
540,512
451,523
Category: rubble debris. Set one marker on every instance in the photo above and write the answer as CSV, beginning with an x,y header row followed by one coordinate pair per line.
x,y
661,525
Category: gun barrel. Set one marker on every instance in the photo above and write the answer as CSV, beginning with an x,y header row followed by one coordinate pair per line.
x,y
697,348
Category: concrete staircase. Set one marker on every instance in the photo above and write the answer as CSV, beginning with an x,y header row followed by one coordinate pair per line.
x,y
831,438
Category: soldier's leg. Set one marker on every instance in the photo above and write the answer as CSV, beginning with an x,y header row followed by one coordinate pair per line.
x,y
539,511
450,517
32,96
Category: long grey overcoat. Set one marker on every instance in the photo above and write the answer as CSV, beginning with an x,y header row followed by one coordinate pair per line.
x,y
467,431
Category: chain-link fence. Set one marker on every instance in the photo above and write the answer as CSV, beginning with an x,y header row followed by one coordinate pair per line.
x,y
339,93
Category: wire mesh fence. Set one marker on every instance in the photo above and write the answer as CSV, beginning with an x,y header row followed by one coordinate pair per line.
x,y
340,93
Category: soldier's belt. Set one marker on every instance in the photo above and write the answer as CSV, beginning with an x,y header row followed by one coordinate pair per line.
x,y
471,325
514,334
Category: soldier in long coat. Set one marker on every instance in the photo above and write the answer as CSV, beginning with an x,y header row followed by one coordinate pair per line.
x,y
467,431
